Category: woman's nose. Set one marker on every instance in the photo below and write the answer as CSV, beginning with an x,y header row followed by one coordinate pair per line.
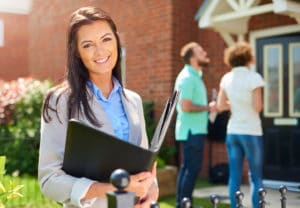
x,y
99,50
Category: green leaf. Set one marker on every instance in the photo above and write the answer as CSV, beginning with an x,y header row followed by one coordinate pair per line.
x,y
2,188
17,188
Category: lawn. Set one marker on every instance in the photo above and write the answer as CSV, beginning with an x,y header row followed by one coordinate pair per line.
x,y
33,198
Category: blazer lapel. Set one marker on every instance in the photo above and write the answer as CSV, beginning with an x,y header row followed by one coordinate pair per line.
x,y
101,115
132,117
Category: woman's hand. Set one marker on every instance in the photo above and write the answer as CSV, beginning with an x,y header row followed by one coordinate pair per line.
x,y
141,183
151,197
152,192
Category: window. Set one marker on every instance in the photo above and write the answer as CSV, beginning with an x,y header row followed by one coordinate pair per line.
x,y
273,73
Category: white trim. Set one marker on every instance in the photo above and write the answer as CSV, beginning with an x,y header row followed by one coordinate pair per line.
x,y
239,11
1,33
227,37
233,4
272,32
242,4
205,20
241,37
250,3
281,6
16,6
243,13
285,122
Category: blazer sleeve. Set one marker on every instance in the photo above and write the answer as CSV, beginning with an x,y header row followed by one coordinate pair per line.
x,y
54,182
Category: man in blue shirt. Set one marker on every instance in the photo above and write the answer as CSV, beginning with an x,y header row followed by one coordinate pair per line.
x,y
192,117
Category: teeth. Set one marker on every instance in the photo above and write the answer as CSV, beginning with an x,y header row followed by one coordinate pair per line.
x,y
100,61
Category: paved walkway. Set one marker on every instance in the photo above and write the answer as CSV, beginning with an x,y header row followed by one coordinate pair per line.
x,y
272,197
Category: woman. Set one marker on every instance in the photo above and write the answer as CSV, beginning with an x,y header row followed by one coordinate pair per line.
x,y
241,93
94,95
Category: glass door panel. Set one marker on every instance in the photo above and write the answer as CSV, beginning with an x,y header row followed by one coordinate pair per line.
x,y
294,79
273,72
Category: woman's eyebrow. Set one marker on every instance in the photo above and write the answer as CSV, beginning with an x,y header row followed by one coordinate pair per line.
x,y
89,41
106,34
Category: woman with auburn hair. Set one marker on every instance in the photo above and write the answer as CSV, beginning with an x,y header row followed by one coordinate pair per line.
x,y
93,94
241,93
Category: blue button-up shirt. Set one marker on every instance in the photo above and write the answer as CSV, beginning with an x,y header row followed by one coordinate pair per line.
x,y
113,107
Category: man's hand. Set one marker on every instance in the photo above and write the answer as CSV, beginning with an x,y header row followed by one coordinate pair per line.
x,y
213,106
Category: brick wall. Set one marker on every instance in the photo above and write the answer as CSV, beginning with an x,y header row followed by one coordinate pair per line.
x,y
14,53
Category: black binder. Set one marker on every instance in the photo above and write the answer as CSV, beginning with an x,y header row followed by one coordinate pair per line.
x,y
94,154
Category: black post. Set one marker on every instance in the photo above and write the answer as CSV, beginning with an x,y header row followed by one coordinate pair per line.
x,y
283,191
120,198
186,203
214,200
262,193
238,197
154,205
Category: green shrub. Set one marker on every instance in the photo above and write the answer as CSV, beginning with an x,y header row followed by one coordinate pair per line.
x,y
166,152
149,118
20,123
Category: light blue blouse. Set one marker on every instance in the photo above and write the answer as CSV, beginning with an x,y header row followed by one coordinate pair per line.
x,y
113,107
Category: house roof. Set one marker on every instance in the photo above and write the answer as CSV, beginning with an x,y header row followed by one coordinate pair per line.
x,y
231,16
16,6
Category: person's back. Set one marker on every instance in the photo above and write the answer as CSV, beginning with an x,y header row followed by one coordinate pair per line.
x,y
239,85
240,92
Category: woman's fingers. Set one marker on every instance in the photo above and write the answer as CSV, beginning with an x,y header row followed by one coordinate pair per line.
x,y
140,176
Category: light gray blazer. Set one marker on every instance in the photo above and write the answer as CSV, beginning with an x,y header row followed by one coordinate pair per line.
x,y
54,182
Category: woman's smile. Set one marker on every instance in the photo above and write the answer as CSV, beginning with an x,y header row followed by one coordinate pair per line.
x,y
102,60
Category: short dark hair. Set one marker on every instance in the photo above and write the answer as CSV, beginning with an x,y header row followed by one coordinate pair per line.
x,y
239,54
186,51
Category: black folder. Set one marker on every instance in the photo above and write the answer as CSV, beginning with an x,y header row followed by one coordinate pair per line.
x,y
94,154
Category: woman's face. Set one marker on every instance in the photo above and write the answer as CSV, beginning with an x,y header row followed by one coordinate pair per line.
x,y
97,47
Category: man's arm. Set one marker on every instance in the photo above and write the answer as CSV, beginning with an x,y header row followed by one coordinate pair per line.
x,y
188,106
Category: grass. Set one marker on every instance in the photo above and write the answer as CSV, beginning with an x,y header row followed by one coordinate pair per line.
x,y
169,202
33,198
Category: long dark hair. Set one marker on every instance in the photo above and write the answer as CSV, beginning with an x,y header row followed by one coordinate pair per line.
x,y
77,74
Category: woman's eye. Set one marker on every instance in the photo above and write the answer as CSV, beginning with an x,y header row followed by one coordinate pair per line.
x,y
106,39
86,45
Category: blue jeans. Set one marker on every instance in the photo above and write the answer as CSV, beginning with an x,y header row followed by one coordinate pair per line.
x,y
251,147
190,167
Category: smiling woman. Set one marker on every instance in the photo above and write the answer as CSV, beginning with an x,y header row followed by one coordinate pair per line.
x,y
93,94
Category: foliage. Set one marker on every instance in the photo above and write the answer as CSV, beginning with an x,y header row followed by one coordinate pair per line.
x,y
10,191
10,93
20,111
166,152
24,121
32,195
149,118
